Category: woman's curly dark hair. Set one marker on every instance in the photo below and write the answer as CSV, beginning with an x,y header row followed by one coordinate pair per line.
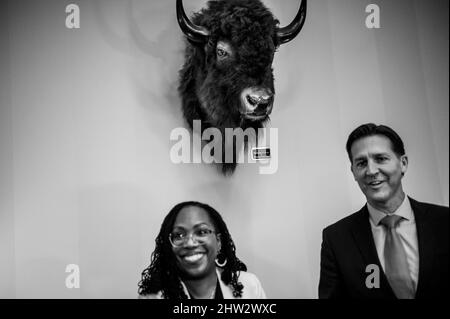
x,y
163,274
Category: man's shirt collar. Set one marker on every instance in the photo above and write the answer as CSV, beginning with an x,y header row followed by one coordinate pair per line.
x,y
404,210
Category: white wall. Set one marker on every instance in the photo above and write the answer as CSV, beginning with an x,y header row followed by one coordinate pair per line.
x,y
85,118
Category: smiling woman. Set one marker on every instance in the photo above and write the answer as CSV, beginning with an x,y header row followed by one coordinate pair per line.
x,y
195,258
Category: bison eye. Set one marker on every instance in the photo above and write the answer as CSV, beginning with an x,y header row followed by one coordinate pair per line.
x,y
224,51
221,53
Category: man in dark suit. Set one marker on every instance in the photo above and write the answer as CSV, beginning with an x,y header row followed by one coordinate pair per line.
x,y
395,246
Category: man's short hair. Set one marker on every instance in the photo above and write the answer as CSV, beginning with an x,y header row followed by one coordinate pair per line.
x,y
371,129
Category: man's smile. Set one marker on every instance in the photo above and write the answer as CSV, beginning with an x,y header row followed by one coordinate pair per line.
x,y
375,184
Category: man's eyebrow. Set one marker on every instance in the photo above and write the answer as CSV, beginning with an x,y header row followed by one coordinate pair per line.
x,y
378,154
363,157
381,153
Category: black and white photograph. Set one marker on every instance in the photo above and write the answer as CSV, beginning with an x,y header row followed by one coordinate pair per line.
x,y
224,149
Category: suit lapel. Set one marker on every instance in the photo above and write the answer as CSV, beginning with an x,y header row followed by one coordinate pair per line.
x,y
363,237
425,238
227,293
362,234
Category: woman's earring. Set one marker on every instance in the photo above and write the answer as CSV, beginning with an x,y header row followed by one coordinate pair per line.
x,y
221,265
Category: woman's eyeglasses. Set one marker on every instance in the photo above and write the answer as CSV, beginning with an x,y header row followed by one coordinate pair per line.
x,y
200,236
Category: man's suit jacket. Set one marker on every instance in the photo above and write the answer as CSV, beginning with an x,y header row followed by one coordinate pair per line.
x,y
348,248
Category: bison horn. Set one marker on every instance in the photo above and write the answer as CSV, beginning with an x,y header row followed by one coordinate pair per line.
x,y
288,33
193,32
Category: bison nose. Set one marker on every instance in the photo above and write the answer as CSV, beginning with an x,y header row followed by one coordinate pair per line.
x,y
258,103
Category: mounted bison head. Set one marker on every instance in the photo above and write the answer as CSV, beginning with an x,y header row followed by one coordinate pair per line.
x,y
227,78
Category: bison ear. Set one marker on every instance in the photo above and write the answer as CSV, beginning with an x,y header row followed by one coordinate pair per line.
x,y
195,33
288,33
